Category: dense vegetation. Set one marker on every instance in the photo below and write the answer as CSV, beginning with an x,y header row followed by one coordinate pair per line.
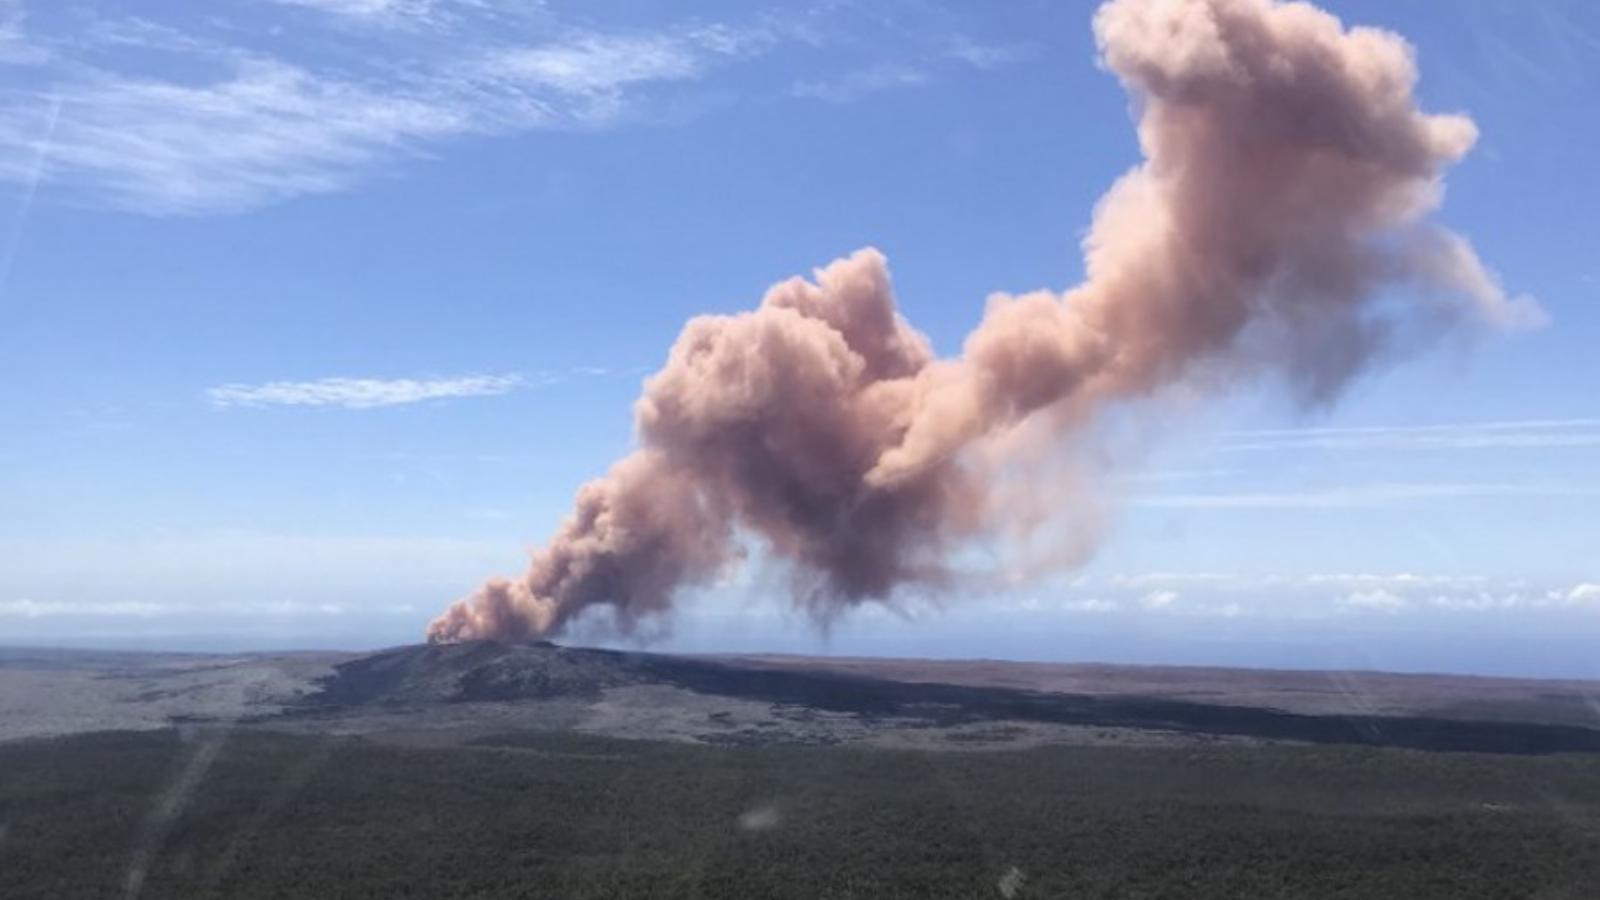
x,y
253,814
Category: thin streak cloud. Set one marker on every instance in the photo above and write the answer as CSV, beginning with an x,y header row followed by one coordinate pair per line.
x,y
368,393
377,11
203,117
1359,496
1533,433
263,127
860,83
361,393
28,608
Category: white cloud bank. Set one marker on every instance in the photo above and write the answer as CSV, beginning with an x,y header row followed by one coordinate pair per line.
x,y
1091,605
1377,599
28,608
1318,595
1159,599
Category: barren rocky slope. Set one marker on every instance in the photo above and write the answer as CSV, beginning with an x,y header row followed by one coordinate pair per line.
x,y
452,693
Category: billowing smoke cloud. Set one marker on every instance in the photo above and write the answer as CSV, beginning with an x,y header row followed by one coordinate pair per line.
x,y
1278,225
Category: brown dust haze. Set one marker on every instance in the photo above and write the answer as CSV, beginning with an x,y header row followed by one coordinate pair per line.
x,y
1277,226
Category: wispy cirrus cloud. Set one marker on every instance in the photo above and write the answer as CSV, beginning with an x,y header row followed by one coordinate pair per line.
x,y
201,114
421,14
15,48
598,64
988,56
860,83
881,76
372,10
268,130
362,393
187,119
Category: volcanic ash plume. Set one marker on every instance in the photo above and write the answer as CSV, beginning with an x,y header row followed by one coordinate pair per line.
x,y
1276,226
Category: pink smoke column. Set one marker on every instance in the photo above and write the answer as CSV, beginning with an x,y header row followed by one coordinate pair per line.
x,y
1287,179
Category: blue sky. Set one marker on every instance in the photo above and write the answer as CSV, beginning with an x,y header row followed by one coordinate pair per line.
x,y
316,312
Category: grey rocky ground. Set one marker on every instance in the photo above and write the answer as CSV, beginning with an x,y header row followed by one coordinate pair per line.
x,y
446,695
